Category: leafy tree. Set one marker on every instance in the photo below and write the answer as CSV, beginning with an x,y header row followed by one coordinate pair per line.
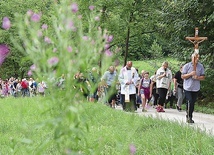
x,y
16,64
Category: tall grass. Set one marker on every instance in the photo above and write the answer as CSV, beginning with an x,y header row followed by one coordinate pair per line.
x,y
23,131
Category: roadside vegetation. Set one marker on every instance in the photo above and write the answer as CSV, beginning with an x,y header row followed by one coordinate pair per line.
x,y
48,39
105,131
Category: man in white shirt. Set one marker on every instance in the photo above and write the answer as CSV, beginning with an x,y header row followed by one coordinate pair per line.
x,y
128,78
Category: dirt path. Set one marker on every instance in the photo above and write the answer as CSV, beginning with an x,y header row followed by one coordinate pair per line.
x,y
203,121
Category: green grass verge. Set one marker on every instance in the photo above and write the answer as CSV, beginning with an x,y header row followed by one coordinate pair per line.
x,y
109,131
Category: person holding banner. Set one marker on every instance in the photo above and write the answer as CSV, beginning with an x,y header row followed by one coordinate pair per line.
x,y
128,78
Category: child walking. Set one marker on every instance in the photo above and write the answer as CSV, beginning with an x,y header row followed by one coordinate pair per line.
x,y
144,90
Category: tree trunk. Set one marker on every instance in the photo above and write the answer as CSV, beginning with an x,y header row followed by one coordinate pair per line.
x,y
127,46
127,39
101,54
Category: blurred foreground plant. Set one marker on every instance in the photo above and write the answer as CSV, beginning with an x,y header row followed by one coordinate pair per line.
x,y
65,47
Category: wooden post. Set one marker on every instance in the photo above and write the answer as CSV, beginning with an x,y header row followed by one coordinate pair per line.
x,y
196,40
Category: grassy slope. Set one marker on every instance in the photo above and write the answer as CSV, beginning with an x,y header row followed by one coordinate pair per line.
x,y
153,65
110,131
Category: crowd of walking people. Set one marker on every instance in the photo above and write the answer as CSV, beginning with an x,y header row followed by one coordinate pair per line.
x,y
133,90
127,87
25,87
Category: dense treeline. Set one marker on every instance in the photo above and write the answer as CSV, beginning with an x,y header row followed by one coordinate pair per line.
x,y
142,30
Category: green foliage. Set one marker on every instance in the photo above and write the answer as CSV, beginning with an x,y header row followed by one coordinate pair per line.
x,y
165,22
63,46
12,65
156,50
153,65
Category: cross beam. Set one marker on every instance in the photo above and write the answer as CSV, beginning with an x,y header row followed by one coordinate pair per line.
x,y
196,40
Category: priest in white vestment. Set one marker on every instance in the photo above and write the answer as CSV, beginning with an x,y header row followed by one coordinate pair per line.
x,y
128,78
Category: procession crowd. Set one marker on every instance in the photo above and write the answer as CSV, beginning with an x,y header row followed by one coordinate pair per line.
x,y
128,87
136,89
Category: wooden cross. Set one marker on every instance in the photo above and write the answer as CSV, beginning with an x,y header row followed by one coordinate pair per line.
x,y
196,40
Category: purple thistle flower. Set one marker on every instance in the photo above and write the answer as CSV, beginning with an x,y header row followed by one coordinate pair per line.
x,y
69,49
85,37
74,7
70,25
53,61
44,26
132,149
91,7
29,73
35,17
33,67
107,46
29,13
97,18
47,40
108,53
109,38
6,23
4,51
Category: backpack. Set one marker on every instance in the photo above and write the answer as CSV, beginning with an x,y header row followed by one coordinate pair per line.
x,y
142,83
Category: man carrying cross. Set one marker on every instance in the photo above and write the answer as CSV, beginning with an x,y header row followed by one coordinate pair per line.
x,y
192,73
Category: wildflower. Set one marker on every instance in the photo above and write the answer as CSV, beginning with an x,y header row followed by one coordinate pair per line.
x,y
85,38
33,67
4,51
70,25
97,18
74,7
69,49
35,17
91,7
132,149
109,38
54,50
6,23
29,73
108,53
44,26
47,40
53,61
107,46
29,13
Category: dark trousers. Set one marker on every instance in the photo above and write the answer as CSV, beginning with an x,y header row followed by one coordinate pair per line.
x,y
129,106
170,100
162,95
155,96
190,102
